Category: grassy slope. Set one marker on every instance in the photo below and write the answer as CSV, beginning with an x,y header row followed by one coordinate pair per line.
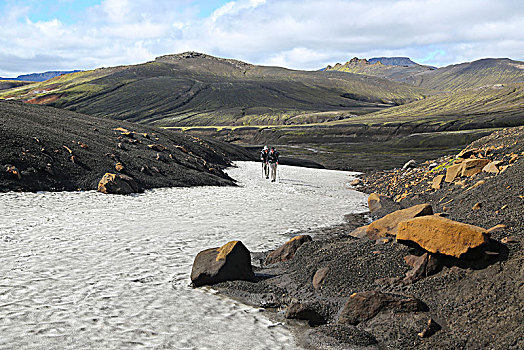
x,y
203,90
482,107
475,74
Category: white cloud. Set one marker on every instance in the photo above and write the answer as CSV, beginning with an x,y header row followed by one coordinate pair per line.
x,y
291,33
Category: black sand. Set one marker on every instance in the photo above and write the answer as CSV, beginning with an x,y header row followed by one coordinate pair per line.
x,y
53,149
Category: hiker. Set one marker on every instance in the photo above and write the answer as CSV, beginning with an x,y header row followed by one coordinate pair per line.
x,y
264,158
273,162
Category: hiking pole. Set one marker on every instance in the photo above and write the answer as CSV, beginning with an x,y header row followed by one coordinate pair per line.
x,y
262,169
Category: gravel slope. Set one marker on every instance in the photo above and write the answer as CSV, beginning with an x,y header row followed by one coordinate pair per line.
x,y
53,149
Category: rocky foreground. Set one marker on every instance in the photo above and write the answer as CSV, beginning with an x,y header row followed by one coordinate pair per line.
x,y
48,149
441,265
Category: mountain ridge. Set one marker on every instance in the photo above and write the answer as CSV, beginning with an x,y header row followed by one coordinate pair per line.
x,y
198,89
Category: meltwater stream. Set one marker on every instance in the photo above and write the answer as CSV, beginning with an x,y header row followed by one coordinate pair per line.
x,y
91,271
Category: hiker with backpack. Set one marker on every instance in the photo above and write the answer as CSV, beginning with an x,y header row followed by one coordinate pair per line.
x,y
273,156
264,154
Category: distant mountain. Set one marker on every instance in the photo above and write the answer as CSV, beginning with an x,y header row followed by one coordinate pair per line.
x,y
191,89
400,69
393,61
480,73
38,77
484,72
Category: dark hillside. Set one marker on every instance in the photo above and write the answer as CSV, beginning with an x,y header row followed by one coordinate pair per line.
x,y
9,84
196,89
44,148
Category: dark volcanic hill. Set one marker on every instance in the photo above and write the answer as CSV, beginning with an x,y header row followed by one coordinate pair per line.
x,y
44,148
9,84
197,89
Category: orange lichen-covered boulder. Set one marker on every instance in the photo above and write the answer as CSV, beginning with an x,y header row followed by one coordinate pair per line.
x,y
387,226
287,250
436,234
230,262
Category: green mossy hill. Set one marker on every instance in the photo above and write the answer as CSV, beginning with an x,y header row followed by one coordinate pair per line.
x,y
49,149
493,106
480,73
400,73
196,89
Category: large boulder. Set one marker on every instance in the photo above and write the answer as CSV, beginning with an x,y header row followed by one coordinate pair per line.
x,y
363,306
437,182
472,167
376,201
287,251
387,226
359,232
118,184
436,234
315,312
491,167
452,172
230,262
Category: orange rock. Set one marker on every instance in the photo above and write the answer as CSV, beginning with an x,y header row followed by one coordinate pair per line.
x,y
157,147
472,167
359,232
287,250
121,129
497,228
119,167
491,167
467,153
375,201
437,181
355,182
440,235
13,170
118,184
452,172
477,206
387,226
481,182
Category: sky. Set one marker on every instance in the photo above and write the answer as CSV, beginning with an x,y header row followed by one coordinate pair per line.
x,y
43,35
